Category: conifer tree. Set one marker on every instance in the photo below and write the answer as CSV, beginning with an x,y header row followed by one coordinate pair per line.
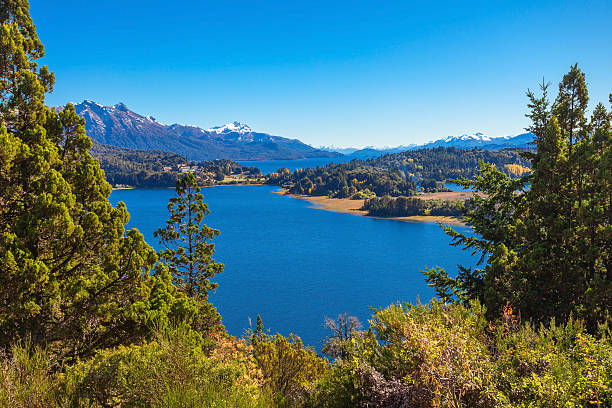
x,y
71,277
187,241
571,104
547,247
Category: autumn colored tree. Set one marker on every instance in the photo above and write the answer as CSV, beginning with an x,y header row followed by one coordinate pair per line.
x,y
187,241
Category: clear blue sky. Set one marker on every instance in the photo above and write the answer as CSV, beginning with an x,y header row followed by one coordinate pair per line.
x,y
350,73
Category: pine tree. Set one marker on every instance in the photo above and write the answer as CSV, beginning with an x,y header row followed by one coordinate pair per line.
x,y
547,247
187,241
71,277
571,104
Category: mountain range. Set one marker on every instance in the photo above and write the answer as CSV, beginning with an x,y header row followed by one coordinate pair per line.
x,y
482,141
119,126
465,141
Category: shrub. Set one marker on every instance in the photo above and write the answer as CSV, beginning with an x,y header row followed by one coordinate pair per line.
x,y
289,369
441,355
27,379
171,371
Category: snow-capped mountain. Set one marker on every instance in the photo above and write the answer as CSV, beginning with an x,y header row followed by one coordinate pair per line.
x,y
119,126
480,140
236,127
480,137
338,149
464,141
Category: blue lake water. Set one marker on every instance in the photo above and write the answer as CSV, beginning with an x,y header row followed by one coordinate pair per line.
x,y
270,166
294,264
456,187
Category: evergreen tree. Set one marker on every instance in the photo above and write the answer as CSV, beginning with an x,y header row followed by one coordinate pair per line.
x,y
547,247
571,104
187,242
71,277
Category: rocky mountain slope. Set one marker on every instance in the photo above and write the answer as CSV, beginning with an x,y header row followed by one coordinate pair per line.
x,y
119,126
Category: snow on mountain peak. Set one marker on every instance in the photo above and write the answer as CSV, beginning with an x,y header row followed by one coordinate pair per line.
x,y
478,136
88,103
234,127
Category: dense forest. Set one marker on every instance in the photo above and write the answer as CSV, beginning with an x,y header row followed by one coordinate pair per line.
x,y
397,174
408,206
154,168
343,180
92,316
443,163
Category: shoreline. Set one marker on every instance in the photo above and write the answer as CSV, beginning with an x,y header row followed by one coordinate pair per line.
x,y
232,185
348,206
173,187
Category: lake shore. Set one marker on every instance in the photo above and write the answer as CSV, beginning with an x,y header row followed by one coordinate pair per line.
x,y
348,206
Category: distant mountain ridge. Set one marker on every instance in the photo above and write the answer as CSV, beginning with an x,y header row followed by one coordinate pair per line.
x,y
119,126
465,141
480,140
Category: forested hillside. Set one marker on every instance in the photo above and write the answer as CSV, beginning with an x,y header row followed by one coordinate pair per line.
x,y
153,168
451,163
409,206
398,174
92,316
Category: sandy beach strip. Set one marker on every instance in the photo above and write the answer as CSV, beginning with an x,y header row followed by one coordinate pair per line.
x,y
348,206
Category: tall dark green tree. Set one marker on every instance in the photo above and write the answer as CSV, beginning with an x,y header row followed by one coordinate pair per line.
x,y
187,241
547,247
71,277
571,104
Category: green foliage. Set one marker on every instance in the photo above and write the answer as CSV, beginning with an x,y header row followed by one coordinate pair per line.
x,y
344,180
172,370
289,369
547,246
432,186
71,278
409,206
137,168
154,168
441,163
363,195
27,379
187,242
432,355
441,355
394,174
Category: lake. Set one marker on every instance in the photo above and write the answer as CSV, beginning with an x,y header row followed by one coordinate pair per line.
x,y
294,264
270,166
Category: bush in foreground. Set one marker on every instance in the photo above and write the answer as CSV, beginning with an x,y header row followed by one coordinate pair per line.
x,y
441,355
433,355
173,370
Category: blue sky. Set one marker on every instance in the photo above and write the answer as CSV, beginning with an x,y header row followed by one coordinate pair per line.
x,y
350,73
